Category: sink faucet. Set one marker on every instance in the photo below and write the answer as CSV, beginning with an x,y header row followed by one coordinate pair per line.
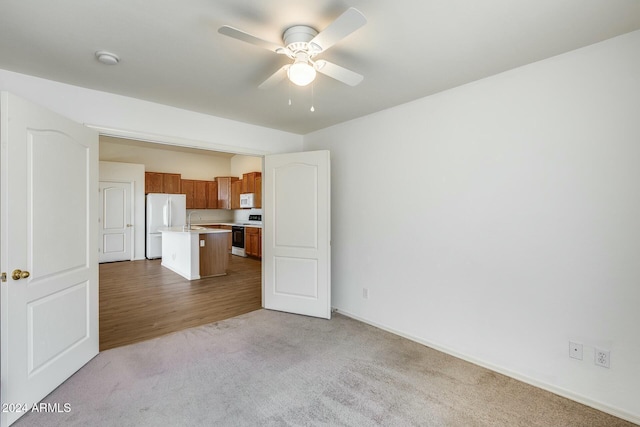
x,y
189,223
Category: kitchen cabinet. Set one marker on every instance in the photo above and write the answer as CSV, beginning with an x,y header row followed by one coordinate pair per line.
x,y
249,182
196,192
171,183
195,253
214,259
257,199
230,236
200,195
253,241
188,189
212,195
224,191
158,182
236,189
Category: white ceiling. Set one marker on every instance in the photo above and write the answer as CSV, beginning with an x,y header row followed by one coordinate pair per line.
x,y
171,52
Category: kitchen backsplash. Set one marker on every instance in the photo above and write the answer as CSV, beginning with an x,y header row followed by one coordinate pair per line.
x,y
242,215
204,216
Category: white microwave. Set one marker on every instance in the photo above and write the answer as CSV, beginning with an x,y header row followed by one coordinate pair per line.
x,y
247,200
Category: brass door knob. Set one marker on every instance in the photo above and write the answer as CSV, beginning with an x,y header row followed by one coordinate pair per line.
x,y
19,274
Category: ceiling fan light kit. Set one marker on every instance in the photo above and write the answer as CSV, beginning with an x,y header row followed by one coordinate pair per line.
x,y
301,44
301,73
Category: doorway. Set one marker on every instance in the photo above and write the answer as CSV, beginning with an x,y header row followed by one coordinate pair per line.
x,y
141,299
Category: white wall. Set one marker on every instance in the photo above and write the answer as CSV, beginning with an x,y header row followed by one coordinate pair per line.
x,y
499,220
118,115
128,172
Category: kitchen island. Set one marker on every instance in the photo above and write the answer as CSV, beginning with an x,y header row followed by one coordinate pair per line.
x,y
195,253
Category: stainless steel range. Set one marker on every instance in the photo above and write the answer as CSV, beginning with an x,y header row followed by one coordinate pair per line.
x,y
237,234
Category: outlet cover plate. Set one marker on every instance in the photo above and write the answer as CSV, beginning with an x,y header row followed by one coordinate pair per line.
x,y
602,358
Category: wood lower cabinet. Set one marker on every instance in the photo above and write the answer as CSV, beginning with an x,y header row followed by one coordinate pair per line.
x,y
253,241
214,259
230,237
159,182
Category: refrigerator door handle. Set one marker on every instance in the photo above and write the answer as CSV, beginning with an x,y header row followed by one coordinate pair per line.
x,y
170,212
165,215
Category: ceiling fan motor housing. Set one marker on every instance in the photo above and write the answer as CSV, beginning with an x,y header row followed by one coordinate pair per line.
x,y
297,38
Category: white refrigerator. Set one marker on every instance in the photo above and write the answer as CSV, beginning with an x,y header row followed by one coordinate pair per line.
x,y
163,210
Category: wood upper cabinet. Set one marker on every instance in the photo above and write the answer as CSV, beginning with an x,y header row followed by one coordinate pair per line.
x,y
253,241
257,199
249,181
153,182
224,191
236,189
188,189
200,195
212,195
171,183
196,192
158,182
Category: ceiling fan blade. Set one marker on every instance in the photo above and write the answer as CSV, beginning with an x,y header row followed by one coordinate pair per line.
x,y
275,78
246,37
339,73
345,24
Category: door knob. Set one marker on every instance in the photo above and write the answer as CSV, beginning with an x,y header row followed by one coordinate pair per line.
x,y
19,274
129,225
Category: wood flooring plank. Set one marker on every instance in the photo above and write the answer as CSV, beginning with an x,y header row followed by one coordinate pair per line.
x,y
140,300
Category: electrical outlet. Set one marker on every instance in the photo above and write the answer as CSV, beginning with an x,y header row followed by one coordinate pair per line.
x,y
365,293
603,358
575,350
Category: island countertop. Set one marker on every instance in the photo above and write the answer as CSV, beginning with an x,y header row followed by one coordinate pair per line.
x,y
194,254
195,229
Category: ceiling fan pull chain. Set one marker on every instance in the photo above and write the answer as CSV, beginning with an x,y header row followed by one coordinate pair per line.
x,y
312,109
289,85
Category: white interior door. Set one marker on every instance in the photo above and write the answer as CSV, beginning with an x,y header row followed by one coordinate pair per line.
x,y
115,221
48,229
297,231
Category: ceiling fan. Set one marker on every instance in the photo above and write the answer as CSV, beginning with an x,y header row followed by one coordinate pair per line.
x,y
302,44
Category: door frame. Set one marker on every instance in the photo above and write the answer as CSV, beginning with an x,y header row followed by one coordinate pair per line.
x,y
132,206
188,143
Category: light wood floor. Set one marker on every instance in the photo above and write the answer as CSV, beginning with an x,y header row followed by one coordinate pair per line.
x,y
140,300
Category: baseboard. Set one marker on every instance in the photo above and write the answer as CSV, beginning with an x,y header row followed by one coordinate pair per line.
x,y
616,412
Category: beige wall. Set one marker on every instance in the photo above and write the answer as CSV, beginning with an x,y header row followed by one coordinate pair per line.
x,y
192,164
245,164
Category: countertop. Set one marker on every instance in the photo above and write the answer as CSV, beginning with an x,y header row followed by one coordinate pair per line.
x,y
238,224
195,229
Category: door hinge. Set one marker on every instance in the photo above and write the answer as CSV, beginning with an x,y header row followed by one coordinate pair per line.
x,y
3,277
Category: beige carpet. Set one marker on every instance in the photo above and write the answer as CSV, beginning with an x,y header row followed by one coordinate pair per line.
x,y
274,369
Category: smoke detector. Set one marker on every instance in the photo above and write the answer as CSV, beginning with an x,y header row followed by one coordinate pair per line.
x,y
107,58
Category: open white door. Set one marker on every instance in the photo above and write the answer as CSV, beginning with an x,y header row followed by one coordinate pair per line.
x,y
297,231
48,249
115,221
